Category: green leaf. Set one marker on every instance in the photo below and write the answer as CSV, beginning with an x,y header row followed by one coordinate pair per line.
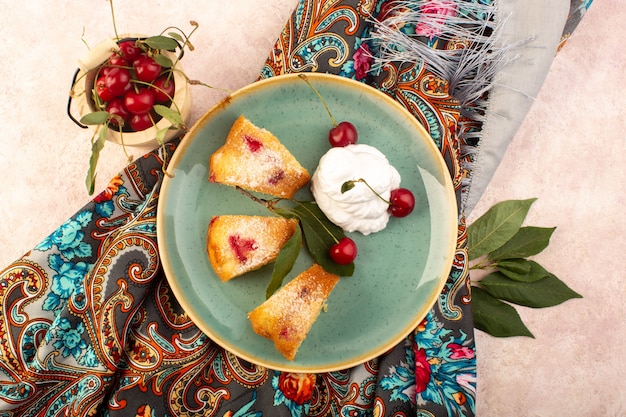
x,y
96,118
96,147
528,241
161,42
163,61
160,136
284,262
176,36
515,266
170,114
522,270
286,213
347,186
494,228
546,292
495,317
320,234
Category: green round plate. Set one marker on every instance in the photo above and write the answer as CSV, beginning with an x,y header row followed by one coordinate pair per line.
x,y
400,270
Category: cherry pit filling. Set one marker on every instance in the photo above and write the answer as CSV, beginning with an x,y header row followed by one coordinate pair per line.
x,y
242,247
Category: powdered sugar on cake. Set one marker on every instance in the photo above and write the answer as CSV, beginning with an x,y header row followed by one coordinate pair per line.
x,y
288,315
237,244
254,159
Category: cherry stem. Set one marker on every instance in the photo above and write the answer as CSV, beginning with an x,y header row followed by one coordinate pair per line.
x,y
113,18
197,82
348,185
484,265
304,77
82,39
185,36
128,156
165,161
269,204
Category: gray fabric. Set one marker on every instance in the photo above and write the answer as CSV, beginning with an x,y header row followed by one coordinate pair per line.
x,y
538,24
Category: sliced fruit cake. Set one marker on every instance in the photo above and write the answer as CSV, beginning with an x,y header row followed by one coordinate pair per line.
x,y
254,159
288,315
237,244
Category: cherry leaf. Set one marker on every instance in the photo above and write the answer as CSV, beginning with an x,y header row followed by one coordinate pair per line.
x,y
163,61
96,147
528,241
160,136
522,270
546,292
495,317
347,186
516,266
494,228
286,213
176,36
95,118
161,42
170,114
285,261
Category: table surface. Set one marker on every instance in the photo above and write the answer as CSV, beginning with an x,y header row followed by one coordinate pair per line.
x,y
569,153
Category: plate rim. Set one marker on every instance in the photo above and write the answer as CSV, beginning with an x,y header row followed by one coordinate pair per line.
x,y
294,366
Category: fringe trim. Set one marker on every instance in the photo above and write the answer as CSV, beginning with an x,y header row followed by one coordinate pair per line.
x,y
470,70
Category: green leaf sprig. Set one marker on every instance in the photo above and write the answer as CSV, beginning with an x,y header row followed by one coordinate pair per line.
x,y
103,119
315,230
499,244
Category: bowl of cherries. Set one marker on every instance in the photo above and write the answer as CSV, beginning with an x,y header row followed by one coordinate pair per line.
x,y
133,90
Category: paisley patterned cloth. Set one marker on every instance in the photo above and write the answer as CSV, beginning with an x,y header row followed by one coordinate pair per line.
x,y
89,325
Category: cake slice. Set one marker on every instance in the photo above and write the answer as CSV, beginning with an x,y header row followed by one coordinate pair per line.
x,y
238,244
254,159
288,315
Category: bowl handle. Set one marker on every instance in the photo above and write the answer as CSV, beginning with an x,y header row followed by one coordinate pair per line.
x,y
69,104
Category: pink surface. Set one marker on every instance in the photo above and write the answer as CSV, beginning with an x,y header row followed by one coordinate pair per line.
x,y
569,153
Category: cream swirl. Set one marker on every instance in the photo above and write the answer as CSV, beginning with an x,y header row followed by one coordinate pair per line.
x,y
358,209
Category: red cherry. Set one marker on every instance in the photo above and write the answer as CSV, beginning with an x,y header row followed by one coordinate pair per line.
x,y
104,70
343,252
117,81
139,102
129,50
139,122
116,107
342,135
102,90
402,202
146,68
117,61
163,89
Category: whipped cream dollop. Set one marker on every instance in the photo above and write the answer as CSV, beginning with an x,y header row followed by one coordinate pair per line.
x,y
358,209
